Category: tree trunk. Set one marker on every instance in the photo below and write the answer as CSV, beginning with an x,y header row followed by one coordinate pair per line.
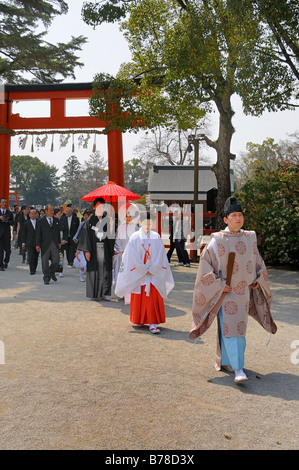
x,y
222,147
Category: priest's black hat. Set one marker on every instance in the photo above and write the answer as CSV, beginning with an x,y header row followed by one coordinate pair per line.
x,y
232,205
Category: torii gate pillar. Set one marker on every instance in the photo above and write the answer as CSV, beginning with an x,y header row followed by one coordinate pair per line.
x,y
4,155
115,157
57,94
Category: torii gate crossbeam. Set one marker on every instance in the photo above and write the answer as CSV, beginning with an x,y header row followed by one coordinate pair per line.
x,y
57,94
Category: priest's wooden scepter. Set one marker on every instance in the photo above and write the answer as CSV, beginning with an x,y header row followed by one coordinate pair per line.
x,y
230,266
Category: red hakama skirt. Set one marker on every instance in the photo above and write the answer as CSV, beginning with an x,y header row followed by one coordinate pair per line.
x,y
147,310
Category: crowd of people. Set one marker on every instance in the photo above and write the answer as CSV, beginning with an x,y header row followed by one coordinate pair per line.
x,y
21,232
23,228
125,253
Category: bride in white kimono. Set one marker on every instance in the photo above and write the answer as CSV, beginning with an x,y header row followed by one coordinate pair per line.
x,y
145,278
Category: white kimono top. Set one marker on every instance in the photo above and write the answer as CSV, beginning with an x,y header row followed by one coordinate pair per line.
x,y
123,233
122,236
144,253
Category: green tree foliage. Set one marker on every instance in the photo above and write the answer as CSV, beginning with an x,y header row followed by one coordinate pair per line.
x,y
115,101
110,11
136,174
185,56
280,36
267,155
25,54
270,199
71,180
94,173
37,181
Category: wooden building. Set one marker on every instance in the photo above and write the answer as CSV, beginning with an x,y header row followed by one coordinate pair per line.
x,y
174,184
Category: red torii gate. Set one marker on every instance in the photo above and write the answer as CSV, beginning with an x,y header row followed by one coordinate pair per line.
x,y
57,94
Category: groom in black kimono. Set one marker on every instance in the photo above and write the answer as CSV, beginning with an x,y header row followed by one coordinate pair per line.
x,y
97,242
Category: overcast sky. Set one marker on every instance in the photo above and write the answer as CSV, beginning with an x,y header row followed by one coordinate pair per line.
x,y
105,51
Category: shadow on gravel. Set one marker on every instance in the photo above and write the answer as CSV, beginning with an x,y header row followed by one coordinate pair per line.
x,y
275,384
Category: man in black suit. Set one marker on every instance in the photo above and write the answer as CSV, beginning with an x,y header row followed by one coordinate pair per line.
x,y
71,222
30,240
6,221
48,242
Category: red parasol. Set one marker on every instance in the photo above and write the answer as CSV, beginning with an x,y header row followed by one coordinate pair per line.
x,y
111,192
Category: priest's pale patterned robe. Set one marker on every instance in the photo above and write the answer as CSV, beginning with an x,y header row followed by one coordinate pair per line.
x,y
209,297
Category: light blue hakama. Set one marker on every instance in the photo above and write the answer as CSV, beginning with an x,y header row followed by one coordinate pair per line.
x,y
232,349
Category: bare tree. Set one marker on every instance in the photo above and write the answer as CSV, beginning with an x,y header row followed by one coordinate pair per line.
x,y
167,147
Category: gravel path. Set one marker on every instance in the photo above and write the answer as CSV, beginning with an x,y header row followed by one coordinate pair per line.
x,y
76,375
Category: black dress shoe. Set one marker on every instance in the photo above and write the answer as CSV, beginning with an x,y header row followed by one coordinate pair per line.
x,y
46,282
1,268
33,272
5,265
54,277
